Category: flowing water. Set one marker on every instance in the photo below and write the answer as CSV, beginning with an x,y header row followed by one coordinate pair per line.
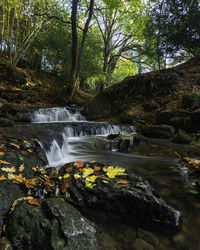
x,y
66,136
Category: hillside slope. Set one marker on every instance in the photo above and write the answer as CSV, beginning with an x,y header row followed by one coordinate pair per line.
x,y
141,98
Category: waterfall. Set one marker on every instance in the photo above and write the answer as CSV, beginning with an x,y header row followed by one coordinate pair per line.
x,y
66,129
47,115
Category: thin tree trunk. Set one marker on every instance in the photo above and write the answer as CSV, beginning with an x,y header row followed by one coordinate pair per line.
x,y
91,8
71,86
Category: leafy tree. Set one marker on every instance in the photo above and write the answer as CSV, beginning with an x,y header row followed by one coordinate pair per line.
x,y
176,24
20,25
120,24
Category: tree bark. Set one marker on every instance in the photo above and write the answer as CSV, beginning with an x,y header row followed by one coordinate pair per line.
x,y
85,30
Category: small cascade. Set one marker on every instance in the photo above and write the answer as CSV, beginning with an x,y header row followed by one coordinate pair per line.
x,y
48,115
64,125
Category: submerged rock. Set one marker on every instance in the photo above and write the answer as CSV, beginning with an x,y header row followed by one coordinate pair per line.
x,y
113,189
159,131
55,225
182,139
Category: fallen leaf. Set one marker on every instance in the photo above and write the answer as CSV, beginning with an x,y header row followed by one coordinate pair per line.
x,y
89,185
87,171
9,170
15,145
21,167
78,164
92,161
122,182
77,177
105,181
24,152
20,199
4,162
2,153
68,170
4,228
3,178
34,139
97,169
64,187
112,172
91,178
65,176
34,201
30,150
21,157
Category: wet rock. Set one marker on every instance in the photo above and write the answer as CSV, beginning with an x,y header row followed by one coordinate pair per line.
x,y
9,192
55,225
22,117
5,244
191,101
180,119
140,244
158,131
140,139
12,109
5,122
124,194
182,139
125,142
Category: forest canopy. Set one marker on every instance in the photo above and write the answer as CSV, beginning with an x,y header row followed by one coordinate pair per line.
x,y
91,44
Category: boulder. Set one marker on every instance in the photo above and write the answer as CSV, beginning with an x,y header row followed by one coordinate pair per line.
x,y
125,142
9,192
5,122
53,225
123,193
158,131
182,139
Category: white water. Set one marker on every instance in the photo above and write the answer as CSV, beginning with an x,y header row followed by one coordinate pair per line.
x,y
47,115
61,152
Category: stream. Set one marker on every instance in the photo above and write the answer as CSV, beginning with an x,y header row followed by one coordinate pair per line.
x,y
65,136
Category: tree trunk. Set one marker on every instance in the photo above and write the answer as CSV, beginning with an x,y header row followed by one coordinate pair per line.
x,y
91,8
71,84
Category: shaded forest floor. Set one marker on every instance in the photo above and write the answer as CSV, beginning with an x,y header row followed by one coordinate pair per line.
x,y
34,88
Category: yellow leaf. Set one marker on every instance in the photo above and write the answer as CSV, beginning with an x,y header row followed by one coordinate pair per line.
x,y
2,153
3,178
30,150
77,177
105,181
91,178
4,162
89,185
112,172
9,170
87,171
65,176
21,168
92,161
